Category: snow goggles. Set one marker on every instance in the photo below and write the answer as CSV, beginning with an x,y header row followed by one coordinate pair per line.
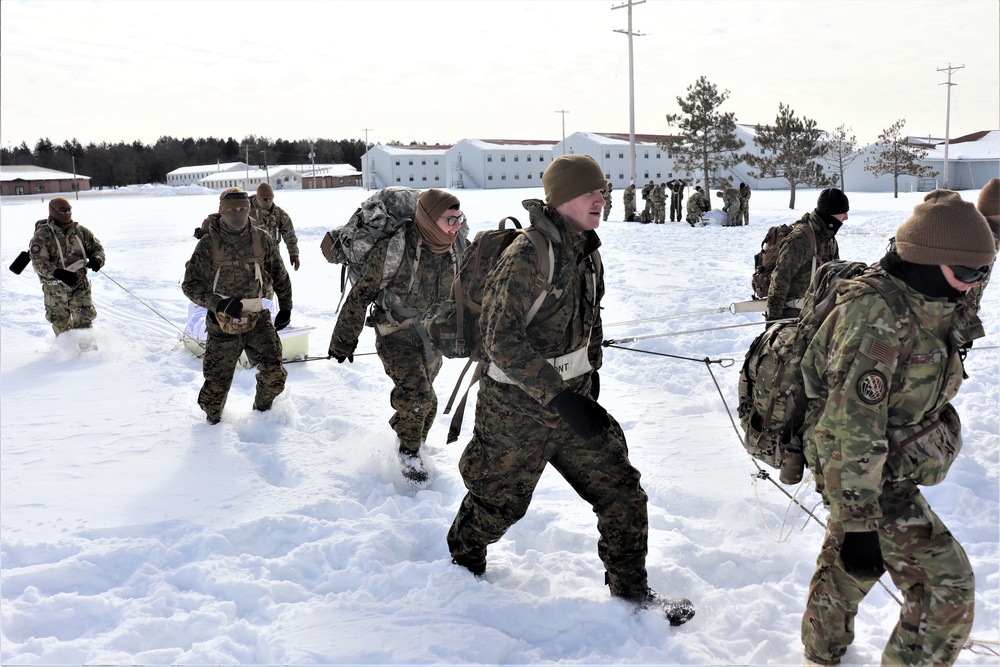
x,y
968,274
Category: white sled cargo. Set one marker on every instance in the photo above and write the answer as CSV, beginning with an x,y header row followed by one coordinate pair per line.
x,y
294,340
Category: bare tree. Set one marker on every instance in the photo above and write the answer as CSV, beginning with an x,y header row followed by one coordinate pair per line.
x,y
707,141
843,150
791,148
895,155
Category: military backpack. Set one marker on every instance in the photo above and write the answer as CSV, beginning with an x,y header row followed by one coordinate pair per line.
x,y
765,261
772,400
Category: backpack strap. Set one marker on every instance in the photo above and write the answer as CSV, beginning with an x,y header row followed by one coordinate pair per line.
x,y
893,296
811,233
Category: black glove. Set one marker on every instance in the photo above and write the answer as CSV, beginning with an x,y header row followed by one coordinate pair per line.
x,y
67,277
94,264
230,306
20,262
585,416
198,232
862,555
340,358
282,319
595,385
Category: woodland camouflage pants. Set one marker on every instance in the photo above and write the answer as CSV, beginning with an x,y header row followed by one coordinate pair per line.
x,y
412,397
222,353
928,566
504,461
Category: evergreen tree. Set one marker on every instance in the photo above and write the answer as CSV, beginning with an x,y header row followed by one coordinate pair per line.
x,y
707,143
842,151
791,148
895,155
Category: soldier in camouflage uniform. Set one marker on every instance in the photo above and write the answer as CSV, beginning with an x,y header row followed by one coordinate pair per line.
x,y
434,246
744,195
660,203
647,196
697,204
607,202
628,199
676,187
731,206
880,425
811,237
275,221
233,267
537,401
989,205
61,251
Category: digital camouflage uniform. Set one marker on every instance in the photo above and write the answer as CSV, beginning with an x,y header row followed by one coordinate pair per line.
x,y
607,202
403,354
237,278
793,269
647,196
516,434
745,193
56,247
864,401
277,223
697,204
628,199
731,206
658,195
676,187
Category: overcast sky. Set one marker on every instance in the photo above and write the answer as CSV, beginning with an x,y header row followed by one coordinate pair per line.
x,y
439,72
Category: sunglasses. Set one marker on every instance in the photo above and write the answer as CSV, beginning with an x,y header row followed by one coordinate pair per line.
x,y
969,275
454,220
64,209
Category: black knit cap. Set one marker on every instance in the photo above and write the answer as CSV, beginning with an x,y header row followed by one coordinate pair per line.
x,y
832,201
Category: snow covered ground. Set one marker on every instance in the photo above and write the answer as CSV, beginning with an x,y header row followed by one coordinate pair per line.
x,y
134,532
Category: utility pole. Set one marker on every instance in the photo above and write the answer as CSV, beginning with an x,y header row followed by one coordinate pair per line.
x,y
267,173
368,162
246,178
563,112
947,118
631,86
312,157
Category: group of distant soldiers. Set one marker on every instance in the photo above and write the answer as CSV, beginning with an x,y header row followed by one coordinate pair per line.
x,y
736,203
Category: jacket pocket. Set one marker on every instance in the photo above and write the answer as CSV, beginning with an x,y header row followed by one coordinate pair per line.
x,y
923,453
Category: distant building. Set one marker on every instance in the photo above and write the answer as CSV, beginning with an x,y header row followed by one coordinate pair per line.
x,y
489,164
22,179
612,152
330,176
408,166
191,175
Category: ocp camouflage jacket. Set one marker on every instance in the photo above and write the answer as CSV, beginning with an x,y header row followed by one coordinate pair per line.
x,y
562,325
793,270
277,224
53,247
877,418
238,277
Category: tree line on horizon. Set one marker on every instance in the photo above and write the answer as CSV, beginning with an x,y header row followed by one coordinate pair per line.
x,y
111,165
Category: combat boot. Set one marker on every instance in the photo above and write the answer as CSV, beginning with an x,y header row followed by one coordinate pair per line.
x,y
677,610
412,466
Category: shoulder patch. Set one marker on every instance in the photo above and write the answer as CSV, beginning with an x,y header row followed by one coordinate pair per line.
x,y
878,350
872,387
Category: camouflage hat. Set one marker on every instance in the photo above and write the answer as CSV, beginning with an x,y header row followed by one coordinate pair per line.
x,y
265,191
989,199
57,203
231,195
570,176
945,229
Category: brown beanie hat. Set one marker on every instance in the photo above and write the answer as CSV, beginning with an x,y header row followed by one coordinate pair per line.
x,y
229,195
945,229
264,191
570,176
431,205
57,203
989,198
